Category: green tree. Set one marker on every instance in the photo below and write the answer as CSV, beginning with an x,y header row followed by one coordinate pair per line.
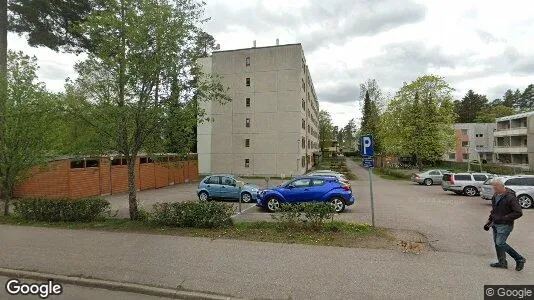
x,y
511,99
469,106
419,120
326,130
349,136
489,114
526,102
139,57
370,120
30,119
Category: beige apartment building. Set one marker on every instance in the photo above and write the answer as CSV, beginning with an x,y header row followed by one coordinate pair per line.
x,y
474,141
271,126
514,140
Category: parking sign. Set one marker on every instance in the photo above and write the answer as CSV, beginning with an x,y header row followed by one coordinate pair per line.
x,y
367,145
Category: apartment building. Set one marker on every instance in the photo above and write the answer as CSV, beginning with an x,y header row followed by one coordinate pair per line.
x,y
514,140
271,126
474,141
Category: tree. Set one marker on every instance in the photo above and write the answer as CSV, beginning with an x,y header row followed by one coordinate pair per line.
x,y
469,106
526,101
349,136
370,120
30,123
375,93
326,130
419,120
135,70
489,114
511,99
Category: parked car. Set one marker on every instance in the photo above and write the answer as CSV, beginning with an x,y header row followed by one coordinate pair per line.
x,y
308,189
339,176
223,186
429,177
522,185
469,184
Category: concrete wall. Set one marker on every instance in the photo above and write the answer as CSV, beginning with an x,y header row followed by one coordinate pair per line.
x,y
278,105
479,138
530,141
59,180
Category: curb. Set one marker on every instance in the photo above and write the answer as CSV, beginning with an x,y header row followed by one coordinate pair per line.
x,y
114,285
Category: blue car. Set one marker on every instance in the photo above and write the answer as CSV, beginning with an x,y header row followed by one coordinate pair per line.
x,y
223,186
308,189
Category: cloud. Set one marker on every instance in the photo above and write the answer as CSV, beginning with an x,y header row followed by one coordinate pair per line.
x,y
343,92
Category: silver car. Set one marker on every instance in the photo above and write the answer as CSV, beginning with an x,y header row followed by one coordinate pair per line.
x,y
338,175
469,184
522,185
429,177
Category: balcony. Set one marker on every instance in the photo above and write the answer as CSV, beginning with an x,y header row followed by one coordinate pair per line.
x,y
510,131
508,149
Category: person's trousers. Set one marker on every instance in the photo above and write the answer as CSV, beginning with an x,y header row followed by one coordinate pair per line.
x,y
500,235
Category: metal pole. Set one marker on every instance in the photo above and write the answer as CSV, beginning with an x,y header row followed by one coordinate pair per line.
x,y
372,198
239,199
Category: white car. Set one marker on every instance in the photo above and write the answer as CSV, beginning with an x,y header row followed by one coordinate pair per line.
x,y
522,185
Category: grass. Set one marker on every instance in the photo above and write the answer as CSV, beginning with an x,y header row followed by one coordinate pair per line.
x,y
392,174
333,233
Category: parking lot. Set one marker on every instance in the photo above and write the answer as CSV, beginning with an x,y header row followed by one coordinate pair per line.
x,y
453,222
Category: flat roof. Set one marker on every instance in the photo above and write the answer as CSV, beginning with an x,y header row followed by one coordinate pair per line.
x,y
264,47
518,116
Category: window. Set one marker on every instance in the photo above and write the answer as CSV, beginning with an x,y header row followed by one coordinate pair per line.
x,y
76,164
301,183
479,135
91,163
247,122
303,104
465,156
480,146
303,85
247,143
247,163
303,142
317,182
247,102
303,160
520,182
118,162
462,177
435,173
464,131
247,61
228,181
465,144
452,155
213,180
247,81
145,160
479,177
303,124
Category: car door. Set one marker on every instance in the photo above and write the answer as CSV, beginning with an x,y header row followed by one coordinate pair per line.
x,y
318,189
213,185
297,191
479,180
436,176
229,188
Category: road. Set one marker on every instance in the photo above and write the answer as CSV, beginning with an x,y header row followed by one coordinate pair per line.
x,y
458,269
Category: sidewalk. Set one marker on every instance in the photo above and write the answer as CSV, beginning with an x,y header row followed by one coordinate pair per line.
x,y
251,269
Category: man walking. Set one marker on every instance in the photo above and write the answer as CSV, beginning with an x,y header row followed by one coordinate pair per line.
x,y
505,209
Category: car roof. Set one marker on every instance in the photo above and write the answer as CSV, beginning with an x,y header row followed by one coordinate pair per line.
x,y
229,175
316,177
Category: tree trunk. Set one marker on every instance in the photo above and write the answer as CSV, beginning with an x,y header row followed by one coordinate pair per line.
x,y
6,197
132,189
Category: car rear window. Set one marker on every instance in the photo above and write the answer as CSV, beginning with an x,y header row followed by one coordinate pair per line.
x,y
317,182
462,177
447,177
520,181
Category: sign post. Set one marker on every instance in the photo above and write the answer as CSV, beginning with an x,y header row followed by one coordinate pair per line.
x,y
240,185
368,162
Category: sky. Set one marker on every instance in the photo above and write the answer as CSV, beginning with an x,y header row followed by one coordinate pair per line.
x,y
486,46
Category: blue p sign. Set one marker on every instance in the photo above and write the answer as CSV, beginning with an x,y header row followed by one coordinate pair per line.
x,y
367,145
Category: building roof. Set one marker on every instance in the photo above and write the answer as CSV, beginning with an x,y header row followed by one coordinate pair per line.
x,y
518,116
252,48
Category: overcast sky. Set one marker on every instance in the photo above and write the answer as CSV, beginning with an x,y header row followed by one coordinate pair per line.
x,y
486,46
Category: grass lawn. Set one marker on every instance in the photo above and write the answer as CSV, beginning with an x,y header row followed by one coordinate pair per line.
x,y
393,174
333,233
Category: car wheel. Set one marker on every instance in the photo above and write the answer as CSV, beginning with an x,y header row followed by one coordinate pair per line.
x,y
203,196
273,204
246,197
338,204
525,201
428,182
470,191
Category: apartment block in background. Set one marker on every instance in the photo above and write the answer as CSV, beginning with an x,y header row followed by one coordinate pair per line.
x,y
474,141
514,140
271,126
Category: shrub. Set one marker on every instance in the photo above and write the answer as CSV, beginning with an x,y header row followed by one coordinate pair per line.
x,y
311,214
61,210
317,212
192,214
394,173
288,215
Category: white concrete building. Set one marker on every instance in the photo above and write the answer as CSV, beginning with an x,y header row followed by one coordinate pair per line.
x,y
271,126
474,141
514,140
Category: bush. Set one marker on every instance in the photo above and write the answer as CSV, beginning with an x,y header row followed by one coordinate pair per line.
x,y
311,214
288,215
192,214
61,210
394,173
317,212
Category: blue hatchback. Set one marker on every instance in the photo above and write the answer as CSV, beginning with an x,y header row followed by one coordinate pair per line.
x,y
223,186
308,189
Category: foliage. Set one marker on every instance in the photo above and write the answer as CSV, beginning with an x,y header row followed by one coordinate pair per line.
x,y
468,108
28,125
326,130
370,120
418,121
288,215
317,213
489,114
390,173
348,136
192,214
61,210
511,99
526,102
311,214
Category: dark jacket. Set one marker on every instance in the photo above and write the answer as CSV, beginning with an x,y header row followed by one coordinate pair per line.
x,y
507,210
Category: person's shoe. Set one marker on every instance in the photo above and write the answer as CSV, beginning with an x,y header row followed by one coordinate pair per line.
x,y
520,264
502,265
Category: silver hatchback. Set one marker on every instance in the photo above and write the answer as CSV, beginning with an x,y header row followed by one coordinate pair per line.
x,y
522,185
469,184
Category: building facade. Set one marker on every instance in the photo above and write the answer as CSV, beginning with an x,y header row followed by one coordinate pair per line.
x,y
271,126
514,140
474,141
